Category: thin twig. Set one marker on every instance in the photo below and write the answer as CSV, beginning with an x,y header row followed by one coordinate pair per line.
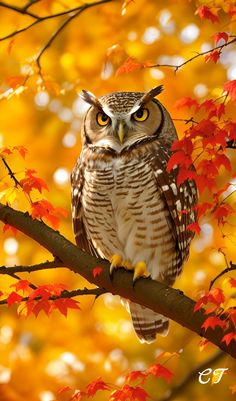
x,y
47,17
67,294
29,269
11,173
177,67
193,375
19,10
186,121
227,270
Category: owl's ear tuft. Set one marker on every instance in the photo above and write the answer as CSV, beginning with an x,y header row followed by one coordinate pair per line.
x,y
151,94
90,98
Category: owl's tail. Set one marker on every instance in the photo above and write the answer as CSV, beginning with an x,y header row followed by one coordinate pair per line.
x,y
148,323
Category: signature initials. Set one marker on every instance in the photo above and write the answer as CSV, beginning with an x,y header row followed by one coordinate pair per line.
x,y
217,372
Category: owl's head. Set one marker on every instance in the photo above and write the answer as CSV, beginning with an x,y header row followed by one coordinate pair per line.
x,y
120,120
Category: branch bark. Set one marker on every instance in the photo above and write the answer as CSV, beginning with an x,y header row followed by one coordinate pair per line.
x,y
147,292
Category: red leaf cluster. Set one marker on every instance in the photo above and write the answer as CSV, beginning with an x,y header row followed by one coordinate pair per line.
x,y
230,88
43,209
213,322
220,35
31,182
130,65
45,298
214,296
205,12
212,56
127,392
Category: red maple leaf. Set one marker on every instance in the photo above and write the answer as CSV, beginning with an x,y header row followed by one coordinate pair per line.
x,y
159,370
129,393
78,394
31,181
224,210
185,174
63,304
21,150
213,56
215,296
97,271
232,282
136,375
23,285
212,322
202,208
184,144
186,101
95,386
130,65
194,227
8,227
6,151
220,35
13,298
44,209
179,158
222,160
205,12
229,337
63,389
230,87
42,305
220,110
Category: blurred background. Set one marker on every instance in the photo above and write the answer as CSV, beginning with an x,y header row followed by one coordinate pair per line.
x,y
39,356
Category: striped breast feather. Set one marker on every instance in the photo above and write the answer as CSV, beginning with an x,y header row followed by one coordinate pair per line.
x,y
180,200
77,183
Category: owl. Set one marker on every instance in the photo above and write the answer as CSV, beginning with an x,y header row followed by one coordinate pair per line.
x,y
126,207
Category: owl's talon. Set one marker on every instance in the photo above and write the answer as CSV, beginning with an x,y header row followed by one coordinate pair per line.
x,y
140,270
116,261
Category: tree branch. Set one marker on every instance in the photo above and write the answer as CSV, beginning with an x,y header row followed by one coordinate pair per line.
x,y
173,393
152,294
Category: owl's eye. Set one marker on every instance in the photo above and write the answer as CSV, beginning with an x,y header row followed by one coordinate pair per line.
x,y
102,119
141,115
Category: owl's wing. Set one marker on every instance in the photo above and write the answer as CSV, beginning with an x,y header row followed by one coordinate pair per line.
x,y
180,201
77,183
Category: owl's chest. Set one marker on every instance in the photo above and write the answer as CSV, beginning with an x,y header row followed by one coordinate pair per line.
x,y
119,181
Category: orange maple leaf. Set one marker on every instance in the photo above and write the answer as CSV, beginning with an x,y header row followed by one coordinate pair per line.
x,y
95,386
159,371
130,65
205,12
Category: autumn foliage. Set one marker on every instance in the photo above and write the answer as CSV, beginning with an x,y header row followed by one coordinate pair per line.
x,y
49,52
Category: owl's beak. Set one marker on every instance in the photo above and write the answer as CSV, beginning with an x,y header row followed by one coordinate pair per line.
x,y
121,132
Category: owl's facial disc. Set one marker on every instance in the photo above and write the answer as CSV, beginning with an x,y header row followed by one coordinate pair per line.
x,y
123,122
